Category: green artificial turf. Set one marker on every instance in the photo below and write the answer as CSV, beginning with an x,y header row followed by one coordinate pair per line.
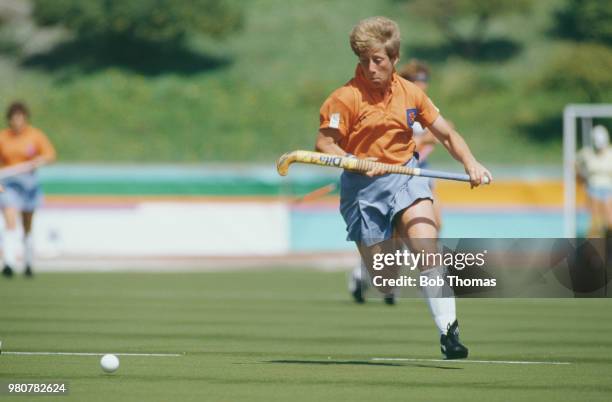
x,y
291,335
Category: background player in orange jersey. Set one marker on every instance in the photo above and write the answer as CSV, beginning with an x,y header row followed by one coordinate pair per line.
x,y
25,148
372,117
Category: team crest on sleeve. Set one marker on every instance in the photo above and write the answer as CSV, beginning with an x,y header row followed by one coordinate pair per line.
x,y
411,115
334,120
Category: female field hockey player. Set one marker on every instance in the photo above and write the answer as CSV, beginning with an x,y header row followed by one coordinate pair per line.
x,y
21,145
418,73
595,169
372,116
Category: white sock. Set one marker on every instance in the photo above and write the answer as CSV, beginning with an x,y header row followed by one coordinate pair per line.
x,y
28,249
9,247
359,273
441,299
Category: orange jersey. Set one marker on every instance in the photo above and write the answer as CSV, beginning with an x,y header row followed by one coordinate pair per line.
x,y
25,146
371,125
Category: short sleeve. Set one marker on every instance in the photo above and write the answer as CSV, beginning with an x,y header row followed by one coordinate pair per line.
x,y
2,154
337,112
45,148
428,112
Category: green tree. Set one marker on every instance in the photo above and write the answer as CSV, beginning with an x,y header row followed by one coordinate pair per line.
x,y
586,20
150,21
465,23
582,70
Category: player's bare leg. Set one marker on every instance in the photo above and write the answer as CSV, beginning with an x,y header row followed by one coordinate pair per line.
x,y
438,216
28,241
417,225
10,240
358,282
367,255
598,217
607,210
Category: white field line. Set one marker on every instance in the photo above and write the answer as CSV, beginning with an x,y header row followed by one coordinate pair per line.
x,y
89,354
401,359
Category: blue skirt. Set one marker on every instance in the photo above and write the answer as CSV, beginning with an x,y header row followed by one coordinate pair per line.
x,y
599,193
22,192
370,204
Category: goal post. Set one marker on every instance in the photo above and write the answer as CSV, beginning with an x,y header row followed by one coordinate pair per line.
x,y
572,112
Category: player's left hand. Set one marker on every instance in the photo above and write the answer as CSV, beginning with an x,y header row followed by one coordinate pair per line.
x,y
478,173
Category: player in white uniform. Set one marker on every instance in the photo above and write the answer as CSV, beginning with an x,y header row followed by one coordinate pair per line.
x,y
595,168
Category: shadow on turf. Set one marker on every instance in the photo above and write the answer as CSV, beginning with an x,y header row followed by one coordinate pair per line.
x,y
359,363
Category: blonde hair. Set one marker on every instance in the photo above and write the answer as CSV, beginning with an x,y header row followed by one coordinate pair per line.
x,y
375,32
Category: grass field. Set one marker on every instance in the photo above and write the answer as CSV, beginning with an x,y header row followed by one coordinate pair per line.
x,y
291,335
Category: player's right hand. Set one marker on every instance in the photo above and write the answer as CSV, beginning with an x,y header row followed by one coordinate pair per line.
x,y
478,173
